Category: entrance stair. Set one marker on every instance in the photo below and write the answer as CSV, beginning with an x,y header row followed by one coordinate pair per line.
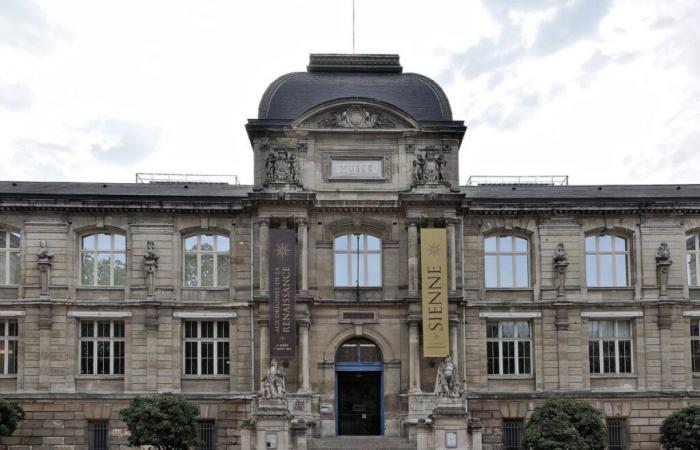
x,y
361,443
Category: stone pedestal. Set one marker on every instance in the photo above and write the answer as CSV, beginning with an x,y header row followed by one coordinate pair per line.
x,y
44,277
272,425
451,425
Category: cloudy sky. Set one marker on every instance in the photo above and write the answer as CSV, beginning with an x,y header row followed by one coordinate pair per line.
x,y
603,91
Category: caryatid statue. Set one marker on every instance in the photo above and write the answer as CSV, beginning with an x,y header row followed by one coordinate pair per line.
x,y
447,381
45,256
150,264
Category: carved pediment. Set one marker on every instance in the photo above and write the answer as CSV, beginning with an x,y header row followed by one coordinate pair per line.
x,y
355,117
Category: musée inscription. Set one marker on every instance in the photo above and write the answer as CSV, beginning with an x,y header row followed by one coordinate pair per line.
x,y
357,169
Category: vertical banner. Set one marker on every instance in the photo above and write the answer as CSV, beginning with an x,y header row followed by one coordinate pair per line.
x,y
283,289
433,257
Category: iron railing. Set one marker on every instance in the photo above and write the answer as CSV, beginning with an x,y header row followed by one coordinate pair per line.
x,y
147,177
547,180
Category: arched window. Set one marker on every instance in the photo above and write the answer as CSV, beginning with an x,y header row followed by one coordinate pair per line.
x,y
692,255
207,260
506,262
103,259
358,350
358,260
9,257
607,260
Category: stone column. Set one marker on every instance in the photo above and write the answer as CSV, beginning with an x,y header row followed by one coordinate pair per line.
x,y
454,342
451,256
304,264
412,258
264,326
304,375
414,357
264,244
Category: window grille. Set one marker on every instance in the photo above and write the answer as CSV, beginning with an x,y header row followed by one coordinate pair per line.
x,y
616,434
610,346
508,348
206,430
506,262
97,435
512,434
9,257
206,348
102,347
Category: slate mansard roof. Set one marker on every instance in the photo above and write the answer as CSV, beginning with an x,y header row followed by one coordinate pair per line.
x,y
376,77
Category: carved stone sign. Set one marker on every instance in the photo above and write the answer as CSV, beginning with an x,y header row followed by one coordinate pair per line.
x,y
357,169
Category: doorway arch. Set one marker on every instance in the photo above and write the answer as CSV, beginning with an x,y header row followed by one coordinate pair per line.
x,y
359,388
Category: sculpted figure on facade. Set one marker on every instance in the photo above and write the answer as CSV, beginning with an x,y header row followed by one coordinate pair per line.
x,y
356,117
430,166
45,256
447,381
281,166
663,263
150,264
561,262
273,382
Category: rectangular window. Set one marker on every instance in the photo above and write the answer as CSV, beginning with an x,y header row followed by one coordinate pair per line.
x,y
606,261
98,435
9,257
8,346
102,347
506,262
207,435
508,348
695,344
206,348
610,346
512,434
616,434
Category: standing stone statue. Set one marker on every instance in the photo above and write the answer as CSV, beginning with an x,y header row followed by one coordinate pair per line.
x,y
273,382
45,256
663,263
447,381
150,264
561,262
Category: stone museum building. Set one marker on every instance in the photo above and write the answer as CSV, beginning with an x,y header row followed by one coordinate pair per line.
x,y
355,289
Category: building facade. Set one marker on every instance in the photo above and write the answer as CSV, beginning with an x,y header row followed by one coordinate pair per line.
x,y
109,291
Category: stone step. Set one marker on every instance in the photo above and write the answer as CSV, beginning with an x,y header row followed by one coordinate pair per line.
x,y
361,443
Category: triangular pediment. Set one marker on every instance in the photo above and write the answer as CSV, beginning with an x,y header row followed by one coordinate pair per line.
x,y
355,115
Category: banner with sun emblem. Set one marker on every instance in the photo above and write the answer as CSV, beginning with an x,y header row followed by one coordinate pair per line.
x,y
283,288
433,257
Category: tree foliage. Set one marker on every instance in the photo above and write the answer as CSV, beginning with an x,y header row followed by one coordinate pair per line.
x,y
681,430
565,425
10,416
165,421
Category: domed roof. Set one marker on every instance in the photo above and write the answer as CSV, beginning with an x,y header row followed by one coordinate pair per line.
x,y
377,77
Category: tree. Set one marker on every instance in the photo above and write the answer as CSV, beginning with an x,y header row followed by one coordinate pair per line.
x,y
165,421
681,430
565,425
10,416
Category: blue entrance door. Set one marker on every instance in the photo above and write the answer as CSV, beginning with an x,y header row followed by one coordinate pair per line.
x,y
359,398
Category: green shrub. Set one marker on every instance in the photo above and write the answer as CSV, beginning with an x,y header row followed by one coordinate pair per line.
x,y
165,421
681,430
565,425
10,416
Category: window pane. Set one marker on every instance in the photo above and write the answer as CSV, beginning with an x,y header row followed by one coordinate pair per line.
x,y
621,270
119,269
88,242
624,328
505,244
490,269
207,358
594,357
590,244
608,356
14,268
341,242
520,244
103,328
118,358
695,354
523,329
223,270
104,266
207,330
508,358
104,241
103,357
86,357
690,243
353,241
12,328
490,244
593,329
207,270
119,242
374,270
492,329
492,358
191,358
692,269
118,328
625,360
190,269
222,329
3,268
373,243
2,357
341,270
191,243
3,239
87,329
695,328
222,244
606,275
87,267
507,329
591,271
206,242
505,263
521,272
14,240
607,328
620,244
605,243
190,329
523,358
11,357
222,360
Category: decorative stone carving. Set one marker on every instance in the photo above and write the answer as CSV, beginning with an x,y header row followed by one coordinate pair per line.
x,y
45,256
429,166
561,262
447,381
663,263
281,167
150,264
273,382
355,117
